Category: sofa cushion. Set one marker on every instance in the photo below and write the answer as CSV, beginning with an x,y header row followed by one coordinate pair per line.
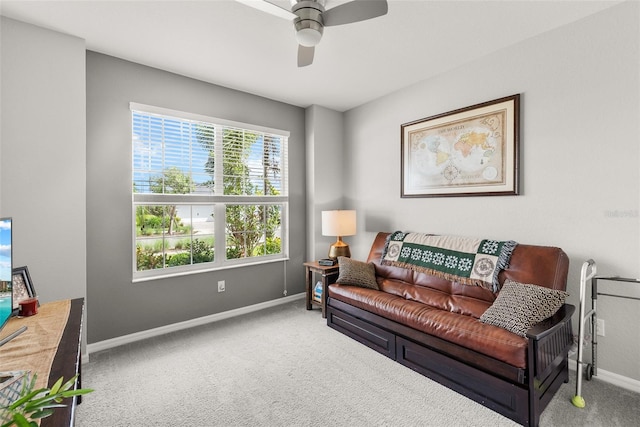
x,y
356,273
453,299
466,331
519,306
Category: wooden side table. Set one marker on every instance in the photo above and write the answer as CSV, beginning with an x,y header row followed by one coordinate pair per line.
x,y
329,275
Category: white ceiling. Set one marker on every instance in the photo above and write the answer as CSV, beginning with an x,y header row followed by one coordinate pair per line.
x,y
233,45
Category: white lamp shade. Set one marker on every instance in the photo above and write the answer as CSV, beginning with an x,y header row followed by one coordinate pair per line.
x,y
338,223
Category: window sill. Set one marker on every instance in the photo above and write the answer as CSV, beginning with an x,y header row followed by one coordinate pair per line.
x,y
168,275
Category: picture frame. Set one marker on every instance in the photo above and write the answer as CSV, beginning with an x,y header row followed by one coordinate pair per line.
x,y
472,151
21,286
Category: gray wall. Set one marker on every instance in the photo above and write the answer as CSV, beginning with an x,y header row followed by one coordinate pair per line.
x,y
116,305
325,174
579,160
42,155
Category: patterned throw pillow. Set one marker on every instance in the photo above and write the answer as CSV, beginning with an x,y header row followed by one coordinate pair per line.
x,y
356,273
519,306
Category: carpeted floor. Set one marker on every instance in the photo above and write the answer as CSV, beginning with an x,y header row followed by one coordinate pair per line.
x,y
284,367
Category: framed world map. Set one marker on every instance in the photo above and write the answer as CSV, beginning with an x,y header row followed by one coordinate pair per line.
x,y
473,151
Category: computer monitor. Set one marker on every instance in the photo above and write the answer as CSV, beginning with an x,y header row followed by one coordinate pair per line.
x,y
6,268
6,278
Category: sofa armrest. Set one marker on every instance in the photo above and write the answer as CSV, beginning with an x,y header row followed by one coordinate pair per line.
x,y
549,343
552,324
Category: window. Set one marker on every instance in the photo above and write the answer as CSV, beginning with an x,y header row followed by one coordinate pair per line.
x,y
207,193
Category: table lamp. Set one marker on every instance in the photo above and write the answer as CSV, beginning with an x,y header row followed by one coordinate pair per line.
x,y
339,223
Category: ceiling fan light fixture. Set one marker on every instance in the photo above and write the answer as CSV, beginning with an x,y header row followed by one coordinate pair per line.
x,y
309,19
308,37
308,24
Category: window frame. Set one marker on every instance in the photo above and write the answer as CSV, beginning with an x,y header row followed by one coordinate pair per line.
x,y
218,200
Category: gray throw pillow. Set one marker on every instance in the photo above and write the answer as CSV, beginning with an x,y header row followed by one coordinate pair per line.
x,y
519,306
356,273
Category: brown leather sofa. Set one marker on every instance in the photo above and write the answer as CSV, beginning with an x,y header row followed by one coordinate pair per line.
x,y
432,325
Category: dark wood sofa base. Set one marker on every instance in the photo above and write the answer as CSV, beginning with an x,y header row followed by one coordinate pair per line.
x,y
518,394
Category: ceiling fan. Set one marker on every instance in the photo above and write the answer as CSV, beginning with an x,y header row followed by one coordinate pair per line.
x,y
310,17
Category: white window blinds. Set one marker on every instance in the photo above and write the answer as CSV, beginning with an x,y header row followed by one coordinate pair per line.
x,y
203,187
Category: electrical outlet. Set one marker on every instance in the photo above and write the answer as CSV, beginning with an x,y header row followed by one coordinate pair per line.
x,y
600,327
221,286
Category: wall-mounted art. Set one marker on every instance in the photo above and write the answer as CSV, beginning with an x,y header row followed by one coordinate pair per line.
x,y
471,151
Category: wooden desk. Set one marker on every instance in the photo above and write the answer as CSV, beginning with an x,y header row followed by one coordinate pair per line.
x,y
66,361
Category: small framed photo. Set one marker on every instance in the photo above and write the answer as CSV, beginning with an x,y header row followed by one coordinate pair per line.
x,y
22,286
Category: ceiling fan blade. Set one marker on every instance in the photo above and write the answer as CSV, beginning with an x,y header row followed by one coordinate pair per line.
x,y
355,11
269,7
305,55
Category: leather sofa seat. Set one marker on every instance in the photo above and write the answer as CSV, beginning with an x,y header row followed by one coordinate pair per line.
x,y
452,326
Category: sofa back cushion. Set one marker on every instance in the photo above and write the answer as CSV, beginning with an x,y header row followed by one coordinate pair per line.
x,y
539,265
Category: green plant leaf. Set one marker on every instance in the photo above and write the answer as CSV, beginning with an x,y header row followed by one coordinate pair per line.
x,y
77,392
43,407
70,383
42,414
26,398
28,385
20,420
56,386
41,403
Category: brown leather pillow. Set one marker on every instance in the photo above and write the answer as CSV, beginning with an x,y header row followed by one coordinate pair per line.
x,y
519,306
356,273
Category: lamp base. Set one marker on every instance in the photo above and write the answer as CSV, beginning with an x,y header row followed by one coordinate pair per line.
x,y
339,248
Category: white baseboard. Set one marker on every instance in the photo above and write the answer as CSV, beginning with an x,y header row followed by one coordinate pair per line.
x,y
126,339
612,378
